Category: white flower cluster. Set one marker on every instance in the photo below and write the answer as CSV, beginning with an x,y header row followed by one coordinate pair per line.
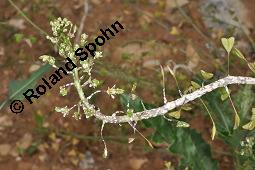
x,y
61,26
62,33
63,110
48,59
83,39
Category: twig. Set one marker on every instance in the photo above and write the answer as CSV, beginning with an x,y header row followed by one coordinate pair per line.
x,y
26,18
86,9
176,103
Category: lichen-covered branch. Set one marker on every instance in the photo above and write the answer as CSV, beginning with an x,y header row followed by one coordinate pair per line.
x,y
63,33
146,114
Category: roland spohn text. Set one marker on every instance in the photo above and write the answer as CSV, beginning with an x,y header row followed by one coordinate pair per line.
x,y
82,53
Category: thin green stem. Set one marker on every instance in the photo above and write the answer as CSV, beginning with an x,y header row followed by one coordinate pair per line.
x,y
237,119
183,13
207,109
26,18
228,63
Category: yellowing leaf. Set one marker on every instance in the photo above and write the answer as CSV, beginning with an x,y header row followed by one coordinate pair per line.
x,y
55,146
74,161
130,140
252,66
186,107
105,154
206,75
213,131
237,121
253,114
75,141
250,125
52,136
174,31
72,153
182,124
228,43
239,54
175,114
195,85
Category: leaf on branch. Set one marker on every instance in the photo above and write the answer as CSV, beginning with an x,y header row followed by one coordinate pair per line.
x,y
228,43
224,94
253,114
244,100
213,131
195,85
252,66
251,124
182,124
206,75
186,107
239,54
237,121
175,114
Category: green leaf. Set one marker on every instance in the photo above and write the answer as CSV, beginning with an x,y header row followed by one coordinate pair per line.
x,y
185,142
133,104
18,87
195,85
228,43
18,37
253,114
237,121
224,94
182,124
244,100
31,150
206,75
239,54
250,125
32,39
213,131
220,111
39,119
186,107
175,114
252,66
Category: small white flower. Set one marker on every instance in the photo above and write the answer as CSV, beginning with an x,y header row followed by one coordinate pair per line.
x,y
63,110
47,59
98,54
83,39
63,91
